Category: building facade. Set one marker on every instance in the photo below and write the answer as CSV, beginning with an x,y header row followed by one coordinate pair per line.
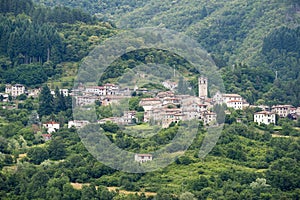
x,y
15,90
265,117
141,158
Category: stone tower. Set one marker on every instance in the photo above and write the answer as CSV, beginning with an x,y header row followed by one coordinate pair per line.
x,y
202,84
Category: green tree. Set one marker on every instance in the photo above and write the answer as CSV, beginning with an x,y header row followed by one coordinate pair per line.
x,y
56,149
27,133
59,101
69,193
88,192
199,184
37,186
37,155
46,105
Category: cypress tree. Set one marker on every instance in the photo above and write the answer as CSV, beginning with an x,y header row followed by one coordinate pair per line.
x,y
46,106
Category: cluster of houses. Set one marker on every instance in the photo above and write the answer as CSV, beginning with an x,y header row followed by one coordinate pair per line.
x,y
15,90
106,94
268,116
162,109
168,107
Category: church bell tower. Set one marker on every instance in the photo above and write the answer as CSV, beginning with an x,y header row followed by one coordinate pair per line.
x,y
202,84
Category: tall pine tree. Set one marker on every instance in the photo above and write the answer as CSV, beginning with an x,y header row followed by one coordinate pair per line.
x,y
46,106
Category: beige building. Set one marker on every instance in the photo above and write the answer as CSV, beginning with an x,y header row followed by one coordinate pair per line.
x,y
15,90
283,110
209,118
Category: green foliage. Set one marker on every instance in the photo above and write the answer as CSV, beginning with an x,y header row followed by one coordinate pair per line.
x,y
37,155
231,31
187,196
56,149
283,174
27,134
184,160
16,7
34,40
199,184
110,127
46,106
3,145
104,112
134,104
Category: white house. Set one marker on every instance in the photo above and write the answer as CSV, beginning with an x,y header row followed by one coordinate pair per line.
x,y
141,158
229,97
78,123
96,90
235,104
15,90
265,117
111,89
234,101
65,92
51,126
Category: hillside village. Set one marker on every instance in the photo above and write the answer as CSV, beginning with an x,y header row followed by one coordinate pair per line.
x,y
162,108
56,123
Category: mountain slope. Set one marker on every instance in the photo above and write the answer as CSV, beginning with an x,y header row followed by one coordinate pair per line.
x,y
236,33
232,30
